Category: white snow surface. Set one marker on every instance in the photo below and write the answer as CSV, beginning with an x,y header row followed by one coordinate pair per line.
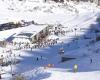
x,y
53,13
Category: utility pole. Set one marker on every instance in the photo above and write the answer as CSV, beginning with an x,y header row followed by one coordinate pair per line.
x,y
76,38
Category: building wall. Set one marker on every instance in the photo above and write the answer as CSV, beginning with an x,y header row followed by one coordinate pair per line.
x,y
39,35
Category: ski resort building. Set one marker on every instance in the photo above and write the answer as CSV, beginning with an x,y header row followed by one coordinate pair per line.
x,y
31,34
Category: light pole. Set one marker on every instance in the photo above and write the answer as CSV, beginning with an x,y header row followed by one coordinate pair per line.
x,y
75,31
76,36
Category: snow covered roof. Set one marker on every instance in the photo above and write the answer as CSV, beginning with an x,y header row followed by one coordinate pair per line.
x,y
30,31
24,35
18,40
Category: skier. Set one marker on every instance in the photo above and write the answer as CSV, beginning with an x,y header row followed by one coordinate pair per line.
x,y
31,48
37,58
75,67
91,61
19,55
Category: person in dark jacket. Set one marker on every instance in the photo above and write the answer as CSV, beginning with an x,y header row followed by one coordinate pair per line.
x,y
91,61
37,58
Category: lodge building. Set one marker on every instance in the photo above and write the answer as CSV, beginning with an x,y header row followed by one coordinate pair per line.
x,y
31,34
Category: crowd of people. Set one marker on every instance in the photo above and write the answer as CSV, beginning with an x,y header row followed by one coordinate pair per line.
x,y
45,43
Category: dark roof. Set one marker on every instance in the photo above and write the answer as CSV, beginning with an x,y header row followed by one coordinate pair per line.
x,y
25,34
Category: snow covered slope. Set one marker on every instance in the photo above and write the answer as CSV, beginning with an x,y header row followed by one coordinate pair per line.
x,y
80,44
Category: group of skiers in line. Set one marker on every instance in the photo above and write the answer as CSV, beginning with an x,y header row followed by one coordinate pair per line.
x,y
45,43
58,32
64,31
42,44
